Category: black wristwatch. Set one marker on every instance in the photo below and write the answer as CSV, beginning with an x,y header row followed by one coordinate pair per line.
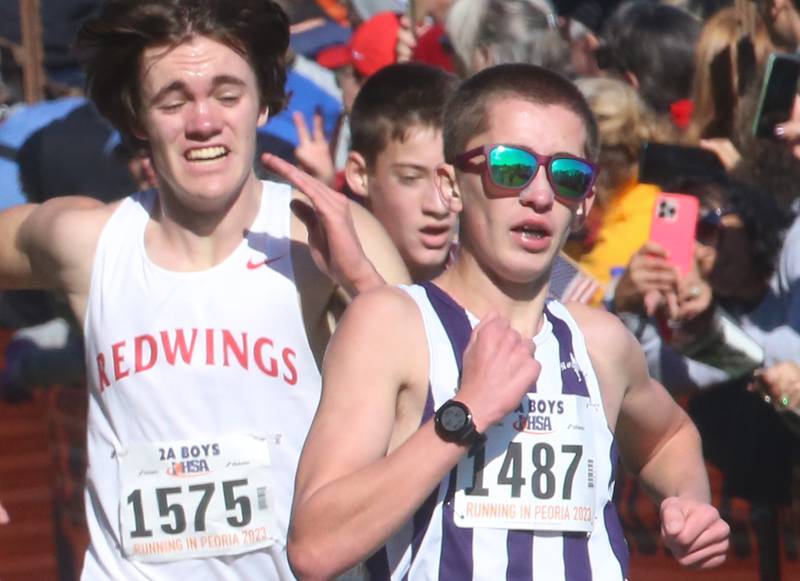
x,y
454,423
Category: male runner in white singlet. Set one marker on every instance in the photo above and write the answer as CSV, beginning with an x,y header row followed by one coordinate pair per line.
x,y
469,428
203,303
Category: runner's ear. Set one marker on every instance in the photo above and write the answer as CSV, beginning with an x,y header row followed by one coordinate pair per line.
x,y
444,179
356,174
263,115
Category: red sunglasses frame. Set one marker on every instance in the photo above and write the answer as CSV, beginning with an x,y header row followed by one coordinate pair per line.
x,y
464,163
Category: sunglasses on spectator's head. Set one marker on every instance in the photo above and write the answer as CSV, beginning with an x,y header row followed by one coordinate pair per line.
x,y
509,169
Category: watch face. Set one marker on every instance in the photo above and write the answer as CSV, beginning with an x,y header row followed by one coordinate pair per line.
x,y
453,418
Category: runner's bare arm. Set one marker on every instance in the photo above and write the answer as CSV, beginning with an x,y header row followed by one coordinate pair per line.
x,y
658,443
40,243
350,496
651,430
378,247
16,271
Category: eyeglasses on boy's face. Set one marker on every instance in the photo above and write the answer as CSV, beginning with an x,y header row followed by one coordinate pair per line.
x,y
509,169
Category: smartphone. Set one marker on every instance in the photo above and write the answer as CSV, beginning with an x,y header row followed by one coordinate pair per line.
x,y
777,93
662,164
673,228
722,96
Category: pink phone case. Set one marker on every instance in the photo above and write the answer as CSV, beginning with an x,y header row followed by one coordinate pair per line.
x,y
673,227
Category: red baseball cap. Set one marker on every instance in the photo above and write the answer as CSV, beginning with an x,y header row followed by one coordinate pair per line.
x,y
372,46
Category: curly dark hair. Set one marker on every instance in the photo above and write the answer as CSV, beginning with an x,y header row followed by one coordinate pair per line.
x,y
110,47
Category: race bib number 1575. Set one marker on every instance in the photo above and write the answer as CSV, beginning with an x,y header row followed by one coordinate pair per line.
x,y
186,499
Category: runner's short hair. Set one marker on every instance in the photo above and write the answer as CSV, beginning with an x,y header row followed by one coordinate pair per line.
x,y
466,112
394,100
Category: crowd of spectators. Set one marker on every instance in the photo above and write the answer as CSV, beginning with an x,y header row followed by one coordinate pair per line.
x,y
688,73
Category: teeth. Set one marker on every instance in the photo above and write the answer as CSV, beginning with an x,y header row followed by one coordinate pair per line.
x,y
532,234
205,153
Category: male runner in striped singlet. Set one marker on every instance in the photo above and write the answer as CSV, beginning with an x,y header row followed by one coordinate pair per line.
x,y
469,428
204,302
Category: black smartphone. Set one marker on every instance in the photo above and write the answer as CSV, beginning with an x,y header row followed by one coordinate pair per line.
x,y
663,164
777,93
722,95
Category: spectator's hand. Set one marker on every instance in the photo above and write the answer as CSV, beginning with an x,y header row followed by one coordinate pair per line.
x,y
649,283
313,150
694,532
695,296
4,518
724,150
789,131
781,386
332,236
695,312
407,37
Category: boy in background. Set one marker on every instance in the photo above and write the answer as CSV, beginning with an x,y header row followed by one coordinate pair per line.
x,y
396,150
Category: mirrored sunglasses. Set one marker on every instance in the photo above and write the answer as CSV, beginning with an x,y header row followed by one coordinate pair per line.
x,y
511,168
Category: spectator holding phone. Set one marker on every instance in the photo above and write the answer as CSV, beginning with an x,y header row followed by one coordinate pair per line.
x,y
709,336
775,167
732,48
739,236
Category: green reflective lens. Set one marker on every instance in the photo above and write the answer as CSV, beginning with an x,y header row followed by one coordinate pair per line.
x,y
571,178
511,167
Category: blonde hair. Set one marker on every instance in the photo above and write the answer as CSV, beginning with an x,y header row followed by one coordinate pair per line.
x,y
624,126
722,32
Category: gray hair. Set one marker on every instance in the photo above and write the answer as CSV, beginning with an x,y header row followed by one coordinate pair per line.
x,y
508,31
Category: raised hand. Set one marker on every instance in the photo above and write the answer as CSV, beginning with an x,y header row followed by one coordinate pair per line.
x,y
332,236
780,386
499,368
694,532
313,150
724,149
406,40
649,283
695,296
789,132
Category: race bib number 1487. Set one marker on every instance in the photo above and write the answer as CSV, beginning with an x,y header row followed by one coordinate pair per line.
x,y
535,471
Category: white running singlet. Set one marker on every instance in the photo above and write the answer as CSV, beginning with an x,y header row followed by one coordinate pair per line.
x,y
202,390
